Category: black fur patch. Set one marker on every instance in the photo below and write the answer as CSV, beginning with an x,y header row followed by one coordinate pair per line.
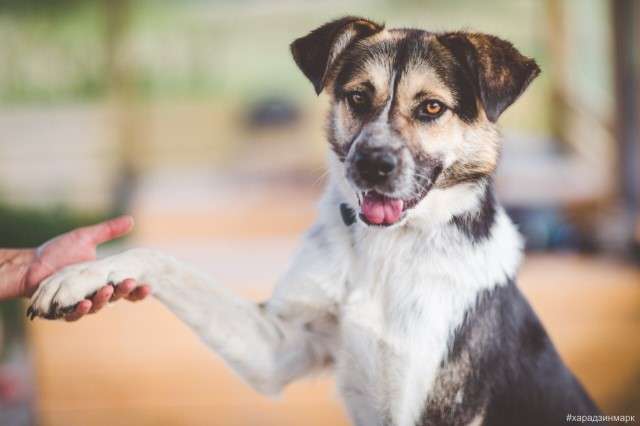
x,y
503,367
348,214
497,71
476,225
457,78
313,52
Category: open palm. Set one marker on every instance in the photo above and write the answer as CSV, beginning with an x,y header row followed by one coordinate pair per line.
x,y
80,246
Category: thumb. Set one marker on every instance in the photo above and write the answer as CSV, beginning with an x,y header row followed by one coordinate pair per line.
x,y
108,230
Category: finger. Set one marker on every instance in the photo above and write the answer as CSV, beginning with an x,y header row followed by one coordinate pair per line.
x,y
80,310
123,289
139,293
109,230
101,298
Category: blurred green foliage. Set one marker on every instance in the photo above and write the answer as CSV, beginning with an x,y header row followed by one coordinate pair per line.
x,y
29,227
52,51
55,51
205,48
37,7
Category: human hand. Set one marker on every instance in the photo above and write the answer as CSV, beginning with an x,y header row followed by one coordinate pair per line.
x,y
78,246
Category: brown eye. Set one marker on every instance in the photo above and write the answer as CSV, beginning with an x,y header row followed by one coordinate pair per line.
x,y
433,108
430,110
358,101
357,98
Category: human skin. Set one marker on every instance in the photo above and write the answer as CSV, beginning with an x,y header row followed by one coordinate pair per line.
x,y
22,270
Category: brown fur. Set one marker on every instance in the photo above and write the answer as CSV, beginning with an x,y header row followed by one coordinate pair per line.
x,y
476,76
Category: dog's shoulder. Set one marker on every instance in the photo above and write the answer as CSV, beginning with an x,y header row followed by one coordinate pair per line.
x,y
503,368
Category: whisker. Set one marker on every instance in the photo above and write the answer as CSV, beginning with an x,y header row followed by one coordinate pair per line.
x,y
318,180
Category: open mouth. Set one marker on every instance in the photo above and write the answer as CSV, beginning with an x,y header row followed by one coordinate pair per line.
x,y
381,210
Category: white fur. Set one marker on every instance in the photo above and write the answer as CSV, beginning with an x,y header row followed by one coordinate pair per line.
x,y
381,303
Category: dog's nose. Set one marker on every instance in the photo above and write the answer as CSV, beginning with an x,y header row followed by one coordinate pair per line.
x,y
375,165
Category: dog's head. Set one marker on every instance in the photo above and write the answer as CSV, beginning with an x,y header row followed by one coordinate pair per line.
x,y
411,110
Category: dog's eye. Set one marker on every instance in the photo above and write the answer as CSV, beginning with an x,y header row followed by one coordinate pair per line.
x,y
430,110
358,101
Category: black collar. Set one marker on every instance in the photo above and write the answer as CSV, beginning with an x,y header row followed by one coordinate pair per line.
x,y
348,214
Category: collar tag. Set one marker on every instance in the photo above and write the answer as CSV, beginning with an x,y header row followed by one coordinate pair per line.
x,y
348,214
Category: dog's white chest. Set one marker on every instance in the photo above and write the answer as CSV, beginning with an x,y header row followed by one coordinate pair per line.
x,y
396,322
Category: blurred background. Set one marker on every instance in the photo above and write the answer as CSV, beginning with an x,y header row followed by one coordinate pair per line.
x,y
191,115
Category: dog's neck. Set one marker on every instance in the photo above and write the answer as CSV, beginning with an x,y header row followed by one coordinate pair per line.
x,y
471,207
464,221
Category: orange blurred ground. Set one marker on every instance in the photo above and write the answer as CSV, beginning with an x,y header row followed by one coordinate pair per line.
x,y
138,365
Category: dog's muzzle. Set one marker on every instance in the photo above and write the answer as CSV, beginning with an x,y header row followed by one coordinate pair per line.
x,y
376,166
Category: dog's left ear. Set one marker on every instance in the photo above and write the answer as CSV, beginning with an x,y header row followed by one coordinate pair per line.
x,y
497,70
316,52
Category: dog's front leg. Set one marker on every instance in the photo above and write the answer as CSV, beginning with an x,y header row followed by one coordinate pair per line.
x,y
265,349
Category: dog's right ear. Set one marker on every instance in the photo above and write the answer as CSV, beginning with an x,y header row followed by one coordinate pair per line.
x,y
498,71
316,52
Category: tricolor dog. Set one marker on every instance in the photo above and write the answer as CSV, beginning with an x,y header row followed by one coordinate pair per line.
x,y
405,285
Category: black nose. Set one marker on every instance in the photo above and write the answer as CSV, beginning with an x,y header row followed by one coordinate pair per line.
x,y
375,165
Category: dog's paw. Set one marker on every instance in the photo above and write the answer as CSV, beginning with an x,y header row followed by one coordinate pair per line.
x,y
59,294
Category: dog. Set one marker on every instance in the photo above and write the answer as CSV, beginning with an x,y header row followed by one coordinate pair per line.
x,y
405,284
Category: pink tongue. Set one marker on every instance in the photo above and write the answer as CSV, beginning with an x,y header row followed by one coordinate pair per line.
x,y
378,209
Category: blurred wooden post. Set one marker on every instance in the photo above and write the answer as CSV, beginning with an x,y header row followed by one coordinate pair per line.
x,y
557,42
121,83
626,16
